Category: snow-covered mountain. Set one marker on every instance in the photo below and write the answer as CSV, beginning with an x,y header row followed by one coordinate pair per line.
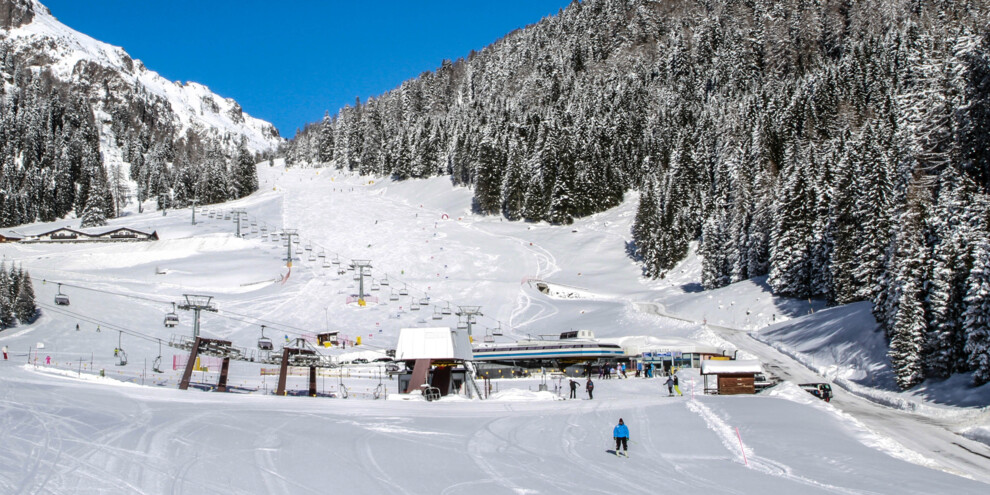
x,y
106,73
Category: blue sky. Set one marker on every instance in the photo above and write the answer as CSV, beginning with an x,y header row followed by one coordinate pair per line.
x,y
289,61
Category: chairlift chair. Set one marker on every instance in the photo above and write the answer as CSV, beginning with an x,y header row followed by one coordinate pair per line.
x,y
462,325
424,301
385,280
312,257
171,319
437,315
375,286
309,246
393,296
264,343
120,354
446,309
336,260
61,299
489,338
497,331
403,291
323,254
157,365
414,306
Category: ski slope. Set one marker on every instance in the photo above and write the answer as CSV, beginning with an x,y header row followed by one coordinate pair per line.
x,y
67,430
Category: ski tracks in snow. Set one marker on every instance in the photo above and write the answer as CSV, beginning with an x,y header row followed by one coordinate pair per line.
x,y
729,438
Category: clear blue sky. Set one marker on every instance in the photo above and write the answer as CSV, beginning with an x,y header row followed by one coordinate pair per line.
x,y
289,61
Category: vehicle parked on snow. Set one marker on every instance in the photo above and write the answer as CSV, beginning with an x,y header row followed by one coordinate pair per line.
x,y
821,390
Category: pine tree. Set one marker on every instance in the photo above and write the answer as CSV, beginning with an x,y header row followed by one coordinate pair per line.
x,y
7,318
25,308
245,172
976,318
909,266
790,262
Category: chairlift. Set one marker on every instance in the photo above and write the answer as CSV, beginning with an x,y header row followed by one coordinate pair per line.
x,y
309,246
393,296
462,325
497,331
312,257
295,239
336,260
157,365
489,338
171,319
414,306
357,276
119,351
403,291
436,314
375,286
326,263
323,254
446,309
264,343
424,301
61,299
385,280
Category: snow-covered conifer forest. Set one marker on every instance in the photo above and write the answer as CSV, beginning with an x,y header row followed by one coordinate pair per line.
x,y
839,147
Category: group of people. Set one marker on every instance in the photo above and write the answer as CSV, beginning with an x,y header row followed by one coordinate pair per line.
x,y
672,383
605,372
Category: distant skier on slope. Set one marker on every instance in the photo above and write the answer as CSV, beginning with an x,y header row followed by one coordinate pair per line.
x,y
4,353
670,386
590,387
677,387
573,389
621,435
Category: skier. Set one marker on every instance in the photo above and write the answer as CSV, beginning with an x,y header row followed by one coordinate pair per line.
x,y
590,387
4,353
77,327
621,435
670,386
573,389
48,360
676,386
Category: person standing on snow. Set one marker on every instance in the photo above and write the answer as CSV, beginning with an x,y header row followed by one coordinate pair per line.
x,y
670,386
621,435
573,389
4,353
676,386
590,387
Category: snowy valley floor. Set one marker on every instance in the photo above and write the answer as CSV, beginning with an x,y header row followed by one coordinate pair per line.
x,y
64,430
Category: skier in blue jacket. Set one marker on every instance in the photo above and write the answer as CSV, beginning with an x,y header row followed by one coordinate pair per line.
x,y
621,435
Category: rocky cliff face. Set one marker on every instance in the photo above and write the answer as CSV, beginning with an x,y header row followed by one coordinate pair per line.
x,y
15,13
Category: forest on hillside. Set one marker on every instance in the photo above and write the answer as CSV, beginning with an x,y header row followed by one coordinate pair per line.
x,y
839,147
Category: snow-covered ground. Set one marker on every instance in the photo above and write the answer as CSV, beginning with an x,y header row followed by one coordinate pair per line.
x,y
66,430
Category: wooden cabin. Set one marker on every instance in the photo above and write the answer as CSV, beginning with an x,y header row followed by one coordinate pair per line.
x,y
724,377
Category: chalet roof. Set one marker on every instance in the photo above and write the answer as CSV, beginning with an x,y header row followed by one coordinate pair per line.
x,y
432,343
720,367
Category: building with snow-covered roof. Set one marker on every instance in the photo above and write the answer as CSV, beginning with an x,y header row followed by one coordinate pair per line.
x,y
731,377
68,234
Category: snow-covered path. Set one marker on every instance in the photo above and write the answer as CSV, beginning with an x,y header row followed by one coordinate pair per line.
x,y
921,439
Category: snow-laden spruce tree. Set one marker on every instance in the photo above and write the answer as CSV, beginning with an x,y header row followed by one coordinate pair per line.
x,y
906,292
25,308
976,319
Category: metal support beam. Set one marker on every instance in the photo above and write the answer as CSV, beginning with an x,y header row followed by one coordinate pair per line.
x,y
190,364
